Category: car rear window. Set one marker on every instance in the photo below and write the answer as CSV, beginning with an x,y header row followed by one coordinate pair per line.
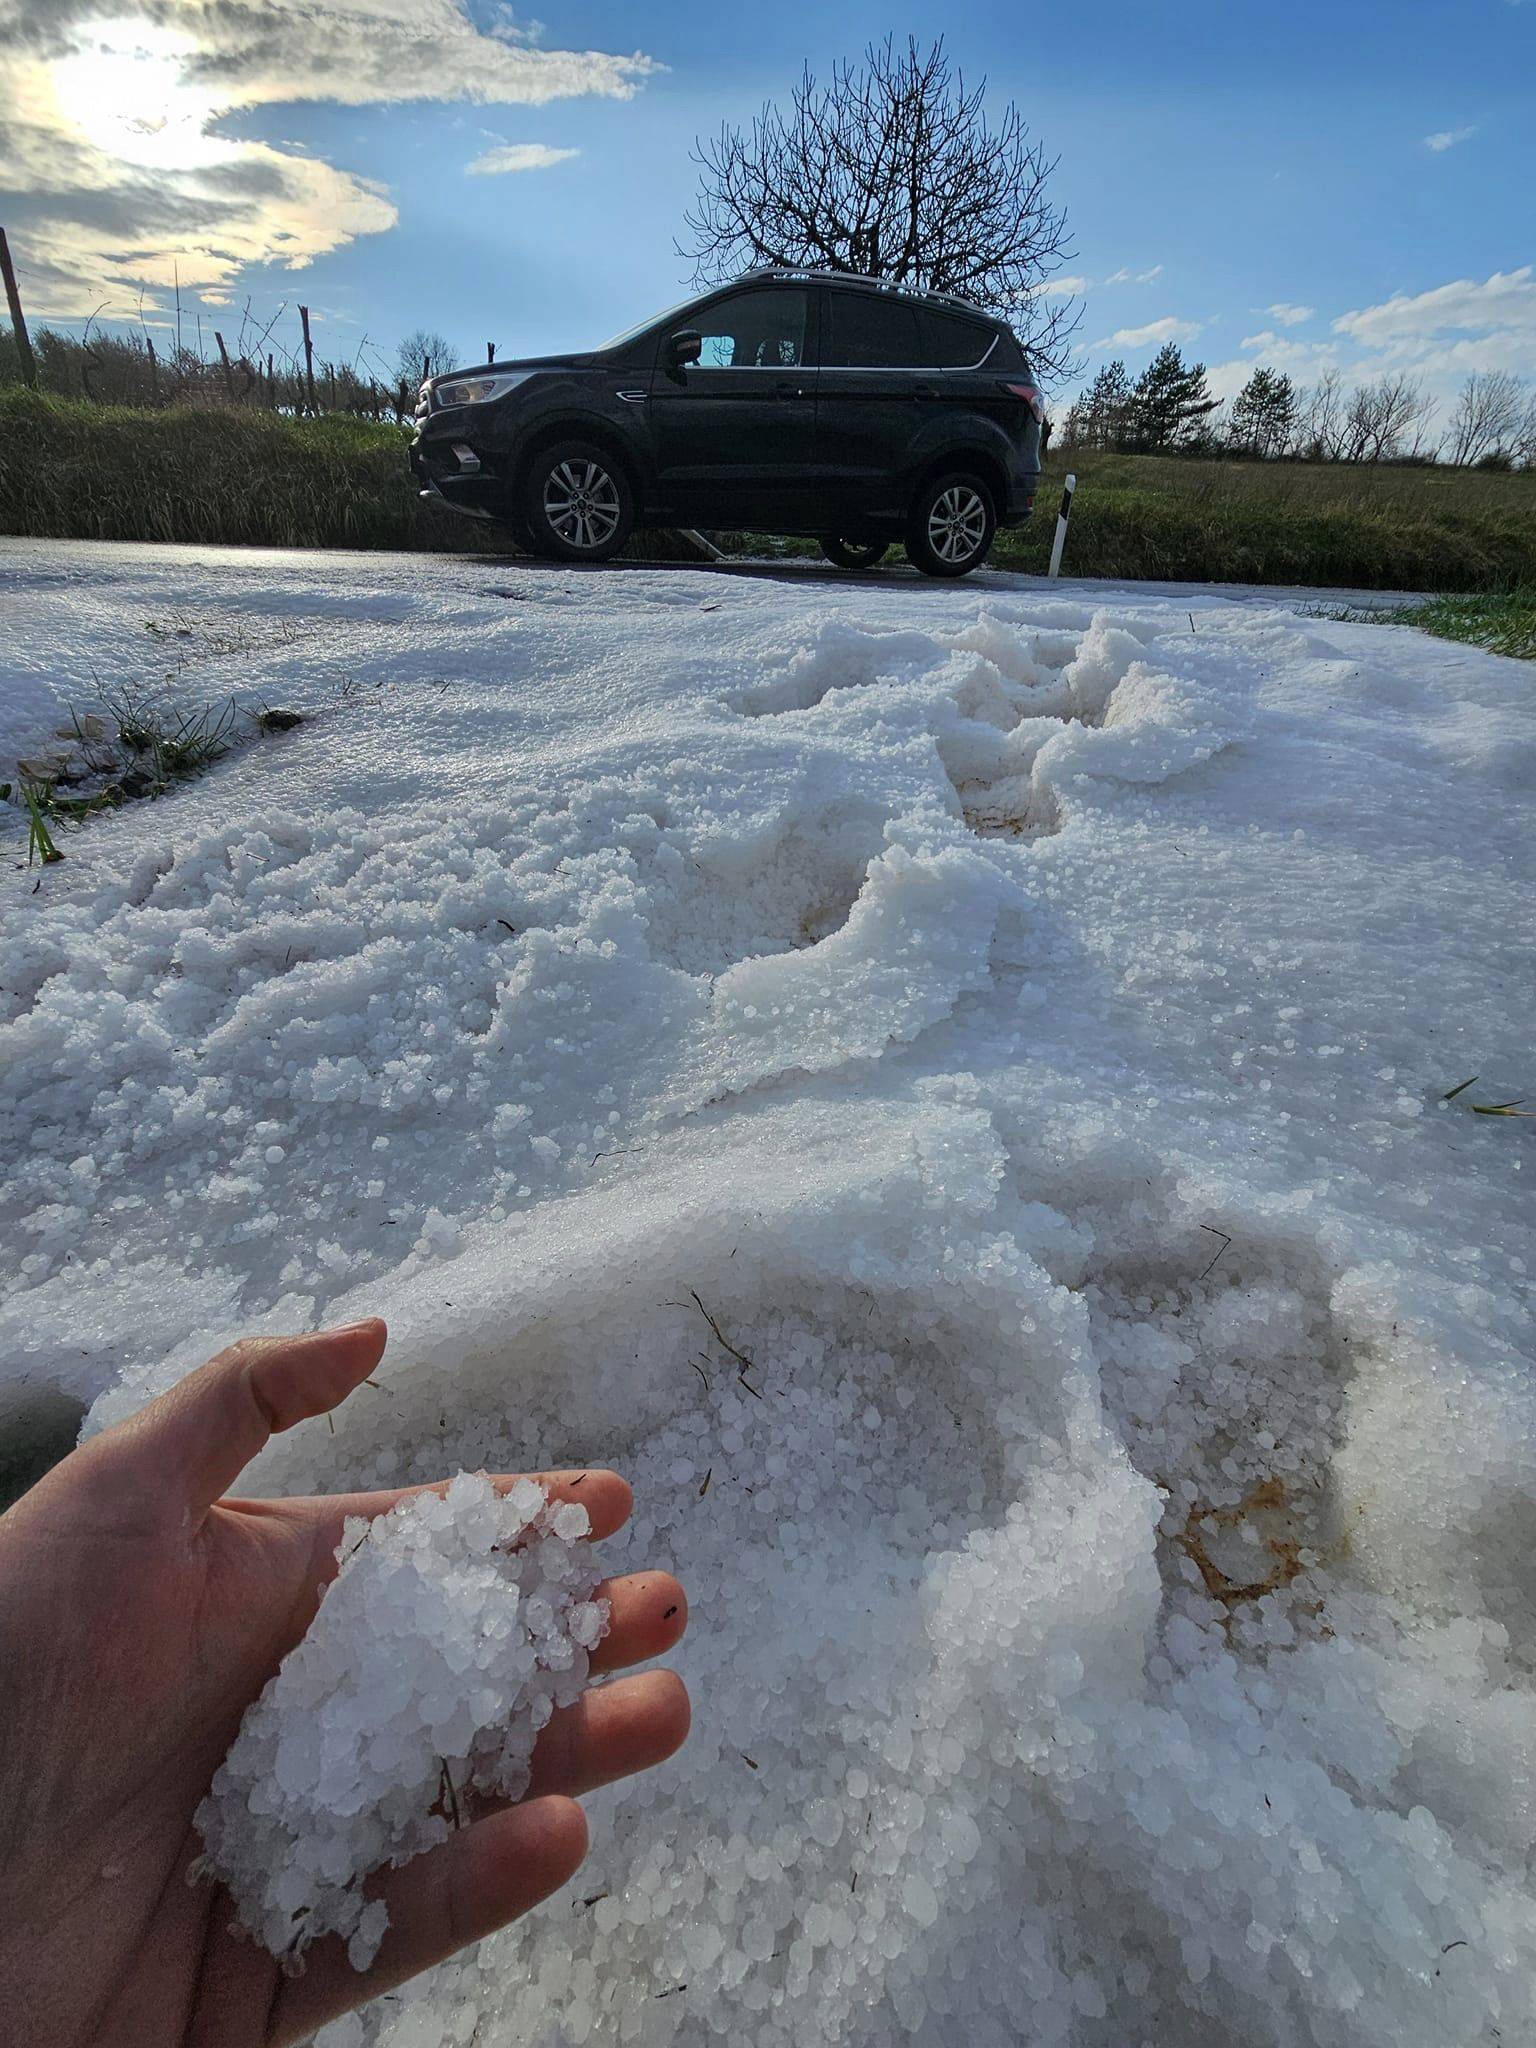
x,y
870,333
951,342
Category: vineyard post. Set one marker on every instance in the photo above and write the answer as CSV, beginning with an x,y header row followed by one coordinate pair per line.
x,y
18,322
309,362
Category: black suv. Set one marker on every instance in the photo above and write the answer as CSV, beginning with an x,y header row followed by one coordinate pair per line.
x,y
791,401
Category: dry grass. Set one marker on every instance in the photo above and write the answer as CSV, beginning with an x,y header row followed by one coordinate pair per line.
x,y
1369,526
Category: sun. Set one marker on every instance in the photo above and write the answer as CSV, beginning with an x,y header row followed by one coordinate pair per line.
x,y
124,88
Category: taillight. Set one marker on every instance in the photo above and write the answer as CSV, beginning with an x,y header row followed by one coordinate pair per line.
x,y
1031,395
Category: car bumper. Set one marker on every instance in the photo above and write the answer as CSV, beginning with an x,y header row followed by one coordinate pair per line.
x,y
450,472
431,495
1022,486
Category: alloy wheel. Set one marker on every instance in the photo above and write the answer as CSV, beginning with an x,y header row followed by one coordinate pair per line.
x,y
581,503
957,523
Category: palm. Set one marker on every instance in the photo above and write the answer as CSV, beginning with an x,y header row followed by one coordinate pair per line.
x,y
140,1632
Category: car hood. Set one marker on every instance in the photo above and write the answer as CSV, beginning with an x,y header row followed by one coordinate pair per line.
x,y
500,367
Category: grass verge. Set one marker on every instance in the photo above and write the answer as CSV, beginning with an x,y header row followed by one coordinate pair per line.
x,y
1503,621
1369,527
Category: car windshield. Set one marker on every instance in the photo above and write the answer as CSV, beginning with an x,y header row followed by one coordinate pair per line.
x,y
655,320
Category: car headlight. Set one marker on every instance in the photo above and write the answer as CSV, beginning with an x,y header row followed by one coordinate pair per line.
x,y
478,390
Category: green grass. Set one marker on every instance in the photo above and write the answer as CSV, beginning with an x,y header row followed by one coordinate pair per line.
x,y
1388,527
71,469
1503,621
129,748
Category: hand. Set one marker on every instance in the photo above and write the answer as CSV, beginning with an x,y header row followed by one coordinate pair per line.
x,y
140,1614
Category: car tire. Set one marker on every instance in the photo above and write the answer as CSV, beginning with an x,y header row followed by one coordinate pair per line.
x,y
951,524
577,502
513,523
853,554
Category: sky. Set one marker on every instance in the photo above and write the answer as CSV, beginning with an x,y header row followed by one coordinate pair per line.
x,y
1339,185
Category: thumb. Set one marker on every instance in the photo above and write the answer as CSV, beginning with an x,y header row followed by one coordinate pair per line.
x,y
198,1437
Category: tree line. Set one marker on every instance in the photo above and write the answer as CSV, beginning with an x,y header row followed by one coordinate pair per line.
x,y
1169,410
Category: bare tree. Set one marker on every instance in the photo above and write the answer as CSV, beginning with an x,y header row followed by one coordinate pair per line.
x,y
1488,417
893,170
423,354
1322,432
1425,445
1378,416
1525,439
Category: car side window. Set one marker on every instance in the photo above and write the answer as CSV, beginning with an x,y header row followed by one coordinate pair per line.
x,y
951,342
757,330
871,333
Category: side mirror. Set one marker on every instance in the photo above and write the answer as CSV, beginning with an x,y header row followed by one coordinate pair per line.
x,y
684,347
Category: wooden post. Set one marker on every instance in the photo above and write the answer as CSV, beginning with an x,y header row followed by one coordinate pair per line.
x,y
490,351
229,381
18,321
154,371
309,361
271,385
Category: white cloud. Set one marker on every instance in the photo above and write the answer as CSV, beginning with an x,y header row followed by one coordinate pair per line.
x,y
118,178
1153,335
1285,315
1066,287
1505,302
518,156
1440,337
1303,361
1447,138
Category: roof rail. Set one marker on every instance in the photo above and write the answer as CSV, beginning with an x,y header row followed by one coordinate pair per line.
x,y
796,271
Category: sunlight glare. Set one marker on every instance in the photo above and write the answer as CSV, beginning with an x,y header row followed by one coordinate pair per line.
x,y
124,89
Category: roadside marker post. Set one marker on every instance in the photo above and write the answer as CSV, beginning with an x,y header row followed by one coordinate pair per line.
x,y
1061,525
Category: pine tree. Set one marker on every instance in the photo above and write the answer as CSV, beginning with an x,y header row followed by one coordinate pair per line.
x,y
1170,404
1100,414
1263,416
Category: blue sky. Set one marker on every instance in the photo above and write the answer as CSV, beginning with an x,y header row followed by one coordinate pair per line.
x,y
1369,162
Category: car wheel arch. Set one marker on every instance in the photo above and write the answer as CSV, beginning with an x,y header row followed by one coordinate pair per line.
x,y
967,455
595,433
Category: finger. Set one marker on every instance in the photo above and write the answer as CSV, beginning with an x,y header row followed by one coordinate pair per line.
x,y
474,1883
648,1612
605,1496
198,1437
611,1732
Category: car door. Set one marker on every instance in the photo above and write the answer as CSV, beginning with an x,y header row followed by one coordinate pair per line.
x,y
870,385
734,434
